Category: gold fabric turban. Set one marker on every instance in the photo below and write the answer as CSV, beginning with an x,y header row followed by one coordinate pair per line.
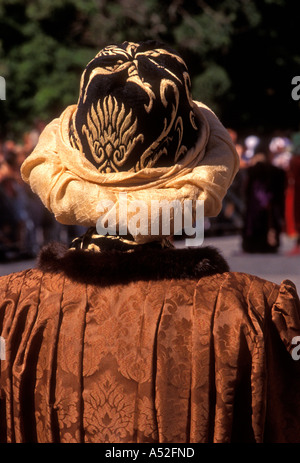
x,y
134,130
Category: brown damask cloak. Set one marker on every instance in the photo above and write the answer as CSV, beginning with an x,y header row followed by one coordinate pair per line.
x,y
163,347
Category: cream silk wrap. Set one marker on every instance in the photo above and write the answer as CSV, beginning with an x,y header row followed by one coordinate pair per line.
x,y
71,187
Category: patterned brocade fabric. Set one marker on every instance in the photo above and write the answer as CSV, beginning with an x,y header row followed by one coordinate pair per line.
x,y
161,361
126,90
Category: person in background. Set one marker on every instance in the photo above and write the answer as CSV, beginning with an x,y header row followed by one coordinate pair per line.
x,y
293,195
264,204
16,227
251,142
280,151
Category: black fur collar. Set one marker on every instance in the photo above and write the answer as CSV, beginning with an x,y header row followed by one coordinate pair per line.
x,y
114,267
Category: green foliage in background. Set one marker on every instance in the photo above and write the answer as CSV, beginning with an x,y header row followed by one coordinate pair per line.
x,y
238,52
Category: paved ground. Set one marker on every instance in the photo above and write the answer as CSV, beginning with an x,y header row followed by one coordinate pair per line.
x,y
271,267
274,268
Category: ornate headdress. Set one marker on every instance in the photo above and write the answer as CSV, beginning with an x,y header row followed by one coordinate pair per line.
x,y
135,109
135,129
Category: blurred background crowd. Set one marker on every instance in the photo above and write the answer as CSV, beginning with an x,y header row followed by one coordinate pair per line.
x,y
25,224
242,56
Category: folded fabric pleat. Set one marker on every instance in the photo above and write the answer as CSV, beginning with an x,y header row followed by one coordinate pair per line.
x,y
165,361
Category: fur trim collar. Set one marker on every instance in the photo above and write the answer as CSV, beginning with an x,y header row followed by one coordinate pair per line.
x,y
115,267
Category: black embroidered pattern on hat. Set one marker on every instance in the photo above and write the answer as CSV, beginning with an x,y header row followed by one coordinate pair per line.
x,y
135,108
